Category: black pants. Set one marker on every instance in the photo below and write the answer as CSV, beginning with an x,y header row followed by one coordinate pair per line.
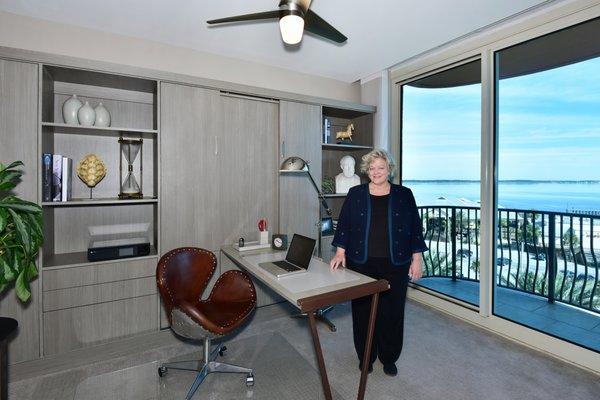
x,y
389,325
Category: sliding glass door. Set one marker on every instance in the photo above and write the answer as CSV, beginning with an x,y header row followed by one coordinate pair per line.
x,y
548,184
440,163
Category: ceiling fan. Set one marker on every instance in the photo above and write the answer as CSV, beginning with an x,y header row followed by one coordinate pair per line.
x,y
294,17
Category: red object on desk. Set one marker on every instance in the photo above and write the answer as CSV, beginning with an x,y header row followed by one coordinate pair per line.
x,y
262,224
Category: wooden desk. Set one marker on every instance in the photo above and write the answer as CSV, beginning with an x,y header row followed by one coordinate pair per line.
x,y
318,288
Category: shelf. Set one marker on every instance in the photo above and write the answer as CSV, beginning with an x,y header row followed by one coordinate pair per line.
x,y
97,130
334,195
98,202
79,259
333,146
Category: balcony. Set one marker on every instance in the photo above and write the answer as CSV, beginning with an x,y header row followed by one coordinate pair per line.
x,y
546,267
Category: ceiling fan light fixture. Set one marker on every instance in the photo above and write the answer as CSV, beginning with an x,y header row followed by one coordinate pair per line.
x,y
292,28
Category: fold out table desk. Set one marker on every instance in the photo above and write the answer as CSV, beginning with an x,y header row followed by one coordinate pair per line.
x,y
310,291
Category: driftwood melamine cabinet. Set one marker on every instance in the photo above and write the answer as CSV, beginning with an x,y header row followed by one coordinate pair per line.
x,y
189,167
218,167
300,135
18,141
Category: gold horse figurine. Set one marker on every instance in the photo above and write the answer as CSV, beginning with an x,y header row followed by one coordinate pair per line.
x,y
347,134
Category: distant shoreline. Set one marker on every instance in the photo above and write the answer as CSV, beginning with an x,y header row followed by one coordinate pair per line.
x,y
516,181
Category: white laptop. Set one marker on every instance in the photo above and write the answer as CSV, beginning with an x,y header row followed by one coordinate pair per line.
x,y
296,260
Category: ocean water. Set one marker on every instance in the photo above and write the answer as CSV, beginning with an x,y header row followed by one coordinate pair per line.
x,y
528,195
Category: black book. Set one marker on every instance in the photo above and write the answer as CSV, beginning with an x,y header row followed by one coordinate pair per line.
x,y
47,177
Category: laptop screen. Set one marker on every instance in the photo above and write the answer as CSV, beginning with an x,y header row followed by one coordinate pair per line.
x,y
300,251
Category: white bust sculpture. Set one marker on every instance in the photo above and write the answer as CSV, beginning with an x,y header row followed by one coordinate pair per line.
x,y
347,179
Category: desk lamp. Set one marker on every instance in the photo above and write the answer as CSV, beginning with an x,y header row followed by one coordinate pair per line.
x,y
296,165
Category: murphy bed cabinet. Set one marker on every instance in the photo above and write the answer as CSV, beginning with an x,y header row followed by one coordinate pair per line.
x,y
211,162
219,169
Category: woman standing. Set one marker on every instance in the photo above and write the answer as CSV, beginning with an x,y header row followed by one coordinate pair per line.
x,y
379,234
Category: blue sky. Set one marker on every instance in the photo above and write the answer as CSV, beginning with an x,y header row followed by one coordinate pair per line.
x,y
549,127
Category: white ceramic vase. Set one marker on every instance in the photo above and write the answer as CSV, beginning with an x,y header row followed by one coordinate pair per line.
x,y
70,108
86,115
102,116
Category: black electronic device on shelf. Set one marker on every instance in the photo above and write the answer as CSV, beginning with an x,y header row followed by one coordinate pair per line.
x,y
117,246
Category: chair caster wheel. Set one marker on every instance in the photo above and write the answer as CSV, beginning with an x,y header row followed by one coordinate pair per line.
x,y
222,351
162,371
249,380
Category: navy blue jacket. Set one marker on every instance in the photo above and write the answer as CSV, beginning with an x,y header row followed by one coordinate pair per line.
x,y
405,230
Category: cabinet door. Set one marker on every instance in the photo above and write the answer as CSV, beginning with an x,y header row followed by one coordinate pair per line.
x,y
248,167
188,167
18,141
300,135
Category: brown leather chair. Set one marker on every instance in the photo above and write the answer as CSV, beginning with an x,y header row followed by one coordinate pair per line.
x,y
182,275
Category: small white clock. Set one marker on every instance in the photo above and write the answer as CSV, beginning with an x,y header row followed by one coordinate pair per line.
x,y
279,242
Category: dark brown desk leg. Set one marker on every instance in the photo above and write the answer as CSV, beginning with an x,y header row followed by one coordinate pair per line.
x,y
367,355
319,352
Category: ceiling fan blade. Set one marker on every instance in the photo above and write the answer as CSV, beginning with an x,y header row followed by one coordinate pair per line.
x,y
246,17
317,25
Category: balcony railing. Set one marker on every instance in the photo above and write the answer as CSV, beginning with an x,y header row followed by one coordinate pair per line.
x,y
548,254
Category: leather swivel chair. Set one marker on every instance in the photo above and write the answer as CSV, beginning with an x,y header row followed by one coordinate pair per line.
x,y
182,275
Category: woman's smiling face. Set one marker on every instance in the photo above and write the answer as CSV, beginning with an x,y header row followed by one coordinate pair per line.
x,y
378,171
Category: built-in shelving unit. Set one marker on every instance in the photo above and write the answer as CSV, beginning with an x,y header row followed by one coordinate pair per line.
x,y
338,119
82,296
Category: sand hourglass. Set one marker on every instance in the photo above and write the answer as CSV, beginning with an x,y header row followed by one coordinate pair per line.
x,y
130,188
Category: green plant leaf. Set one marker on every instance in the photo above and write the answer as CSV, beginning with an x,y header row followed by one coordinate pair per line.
x,y
7,272
32,271
21,230
5,187
37,235
3,219
10,176
11,166
29,208
22,287
21,233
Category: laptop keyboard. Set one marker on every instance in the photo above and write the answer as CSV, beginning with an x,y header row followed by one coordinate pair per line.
x,y
286,266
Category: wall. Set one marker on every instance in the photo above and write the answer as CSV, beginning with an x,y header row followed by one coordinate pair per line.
x,y
37,35
375,91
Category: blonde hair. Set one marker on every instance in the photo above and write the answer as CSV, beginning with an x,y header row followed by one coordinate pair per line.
x,y
368,158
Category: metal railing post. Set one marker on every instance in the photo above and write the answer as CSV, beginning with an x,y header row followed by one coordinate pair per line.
x,y
453,238
550,259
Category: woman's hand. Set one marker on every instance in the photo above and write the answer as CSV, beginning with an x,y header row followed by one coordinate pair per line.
x,y
415,270
339,259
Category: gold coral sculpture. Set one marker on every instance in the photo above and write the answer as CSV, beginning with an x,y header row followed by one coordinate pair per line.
x,y
91,170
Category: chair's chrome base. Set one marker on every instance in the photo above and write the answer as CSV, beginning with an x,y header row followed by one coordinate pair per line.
x,y
206,366
320,316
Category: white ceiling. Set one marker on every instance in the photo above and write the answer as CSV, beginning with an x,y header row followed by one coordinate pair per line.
x,y
380,33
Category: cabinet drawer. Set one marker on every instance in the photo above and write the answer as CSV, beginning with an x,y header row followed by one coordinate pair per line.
x,y
94,294
79,327
98,273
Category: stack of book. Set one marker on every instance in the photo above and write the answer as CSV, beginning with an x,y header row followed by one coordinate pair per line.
x,y
57,174
326,130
